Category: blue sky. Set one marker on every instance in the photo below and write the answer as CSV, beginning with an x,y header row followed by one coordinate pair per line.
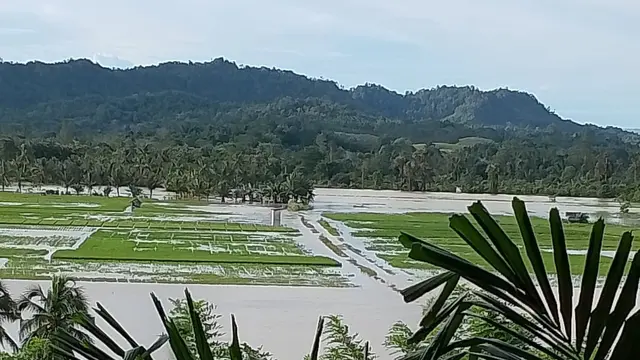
x,y
577,56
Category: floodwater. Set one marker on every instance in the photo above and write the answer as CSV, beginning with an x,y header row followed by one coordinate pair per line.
x,y
283,319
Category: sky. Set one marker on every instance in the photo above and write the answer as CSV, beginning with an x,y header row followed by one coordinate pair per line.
x,y
579,57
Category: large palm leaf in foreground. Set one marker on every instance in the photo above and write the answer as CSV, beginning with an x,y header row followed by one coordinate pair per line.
x,y
562,332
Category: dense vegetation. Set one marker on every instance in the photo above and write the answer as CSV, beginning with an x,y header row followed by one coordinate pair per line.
x,y
257,133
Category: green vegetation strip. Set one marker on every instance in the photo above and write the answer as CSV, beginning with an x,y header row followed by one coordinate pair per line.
x,y
330,229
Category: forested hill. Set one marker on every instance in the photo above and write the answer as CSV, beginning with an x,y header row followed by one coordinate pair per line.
x,y
86,94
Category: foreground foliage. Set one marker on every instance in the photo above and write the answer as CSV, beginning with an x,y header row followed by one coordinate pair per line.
x,y
560,331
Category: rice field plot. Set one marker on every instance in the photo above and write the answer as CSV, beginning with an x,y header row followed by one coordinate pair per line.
x,y
380,232
41,237
182,246
180,225
20,263
62,202
32,266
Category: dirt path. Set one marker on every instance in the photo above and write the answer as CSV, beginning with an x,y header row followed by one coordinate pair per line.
x,y
350,253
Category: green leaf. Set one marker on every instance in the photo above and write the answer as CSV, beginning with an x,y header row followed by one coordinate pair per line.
x,y
508,350
626,302
133,354
408,241
611,286
467,232
442,339
534,256
89,325
416,291
548,335
155,346
442,258
426,327
64,353
178,345
563,270
234,348
520,336
441,299
628,347
455,356
589,278
509,251
318,338
366,350
204,350
86,350
106,316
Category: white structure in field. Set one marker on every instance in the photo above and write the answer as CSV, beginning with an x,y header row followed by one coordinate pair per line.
x,y
276,217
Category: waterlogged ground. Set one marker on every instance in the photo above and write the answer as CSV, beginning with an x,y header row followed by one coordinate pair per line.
x,y
372,221
348,239
379,234
371,263
100,239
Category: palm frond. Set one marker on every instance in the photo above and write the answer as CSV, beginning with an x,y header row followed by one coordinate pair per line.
x,y
507,288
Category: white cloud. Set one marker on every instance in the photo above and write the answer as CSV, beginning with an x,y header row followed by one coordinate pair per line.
x,y
579,54
111,61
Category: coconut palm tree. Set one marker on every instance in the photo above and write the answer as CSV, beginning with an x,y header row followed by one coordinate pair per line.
x,y
5,173
598,328
8,313
152,179
21,165
54,311
91,172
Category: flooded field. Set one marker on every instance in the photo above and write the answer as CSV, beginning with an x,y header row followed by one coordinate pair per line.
x,y
101,239
362,265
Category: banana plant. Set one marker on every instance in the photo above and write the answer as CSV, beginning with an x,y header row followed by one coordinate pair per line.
x,y
597,328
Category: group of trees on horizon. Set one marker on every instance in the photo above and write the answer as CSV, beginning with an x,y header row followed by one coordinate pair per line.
x,y
273,173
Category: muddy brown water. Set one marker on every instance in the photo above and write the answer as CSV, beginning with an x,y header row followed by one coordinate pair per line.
x,y
283,319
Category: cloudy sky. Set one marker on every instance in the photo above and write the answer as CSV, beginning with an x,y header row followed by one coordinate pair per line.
x,y
580,57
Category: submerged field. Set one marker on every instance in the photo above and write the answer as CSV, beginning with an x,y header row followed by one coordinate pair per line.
x,y
98,238
379,234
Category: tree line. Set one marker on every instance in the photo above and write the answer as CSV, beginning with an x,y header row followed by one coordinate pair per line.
x,y
189,172
273,173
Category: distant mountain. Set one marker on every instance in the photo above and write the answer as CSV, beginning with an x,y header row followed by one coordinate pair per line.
x,y
637,131
88,94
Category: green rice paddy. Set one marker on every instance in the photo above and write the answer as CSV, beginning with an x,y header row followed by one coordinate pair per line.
x,y
93,237
380,234
179,246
